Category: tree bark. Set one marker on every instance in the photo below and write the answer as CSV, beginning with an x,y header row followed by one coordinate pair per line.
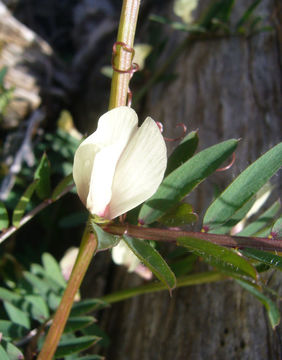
x,y
227,88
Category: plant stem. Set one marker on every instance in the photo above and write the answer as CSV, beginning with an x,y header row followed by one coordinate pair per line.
x,y
188,280
88,245
30,215
123,59
87,249
168,235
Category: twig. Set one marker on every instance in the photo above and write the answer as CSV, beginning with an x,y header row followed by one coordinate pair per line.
x,y
12,229
168,235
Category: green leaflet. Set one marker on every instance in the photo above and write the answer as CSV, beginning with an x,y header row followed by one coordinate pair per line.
x,y
243,188
183,152
77,323
184,179
224,259
261,222
105,240
42,174
4,218
271,308
264,257
22,204
75,345
181,215
152,259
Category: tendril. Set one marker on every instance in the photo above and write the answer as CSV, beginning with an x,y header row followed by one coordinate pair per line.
x,y
184,129
229,165
131,70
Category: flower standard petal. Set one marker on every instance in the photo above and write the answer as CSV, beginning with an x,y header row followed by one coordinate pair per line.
x,y
139,170
82,168
116,125
100,189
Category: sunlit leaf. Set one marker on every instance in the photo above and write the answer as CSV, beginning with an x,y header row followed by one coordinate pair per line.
x,y
11,350
183,152
8,295
105,240
184,179
51,283
243,188
3,354
181,215
152,259
271,308
22,204
43,288
37,307
42,174
16,315
225,259
62,186
75,345
4,218
53,269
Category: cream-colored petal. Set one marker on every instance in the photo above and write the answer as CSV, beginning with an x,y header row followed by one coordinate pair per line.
x,y
116,125
100,190
82,168
139,170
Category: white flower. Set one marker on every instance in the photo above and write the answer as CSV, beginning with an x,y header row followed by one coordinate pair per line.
x,y
120,165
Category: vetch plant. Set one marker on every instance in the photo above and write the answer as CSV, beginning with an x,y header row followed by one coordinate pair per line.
x,y
120,165
115,169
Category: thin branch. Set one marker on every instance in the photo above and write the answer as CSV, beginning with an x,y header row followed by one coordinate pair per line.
x,y
169,235
12,229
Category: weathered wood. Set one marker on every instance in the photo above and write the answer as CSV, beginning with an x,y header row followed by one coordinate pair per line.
x,y
29,61
226,88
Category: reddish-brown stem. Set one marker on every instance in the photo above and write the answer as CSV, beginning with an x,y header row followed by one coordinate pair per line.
x,y
88,247
168,235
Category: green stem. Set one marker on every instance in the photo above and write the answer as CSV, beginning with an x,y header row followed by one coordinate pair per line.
x,y
87,249
88,245
123,59
189,280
